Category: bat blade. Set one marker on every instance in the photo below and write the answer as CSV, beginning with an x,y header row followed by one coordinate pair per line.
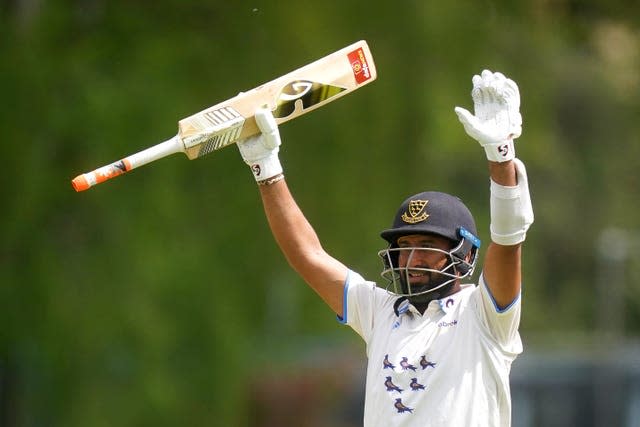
x,y
288,97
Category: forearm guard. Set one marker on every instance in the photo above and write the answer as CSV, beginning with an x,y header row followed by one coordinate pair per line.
x,y
511,209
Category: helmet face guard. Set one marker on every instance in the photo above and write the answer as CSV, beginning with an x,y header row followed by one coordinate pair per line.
x,y
438,214
461,263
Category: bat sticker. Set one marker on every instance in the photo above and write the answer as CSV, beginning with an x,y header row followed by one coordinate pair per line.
x,y
309,93
213,129
359,65
114,169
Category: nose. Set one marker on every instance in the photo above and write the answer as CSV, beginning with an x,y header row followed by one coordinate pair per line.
x,y
412,258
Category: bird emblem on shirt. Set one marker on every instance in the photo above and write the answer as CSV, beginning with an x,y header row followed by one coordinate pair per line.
x,y
406,365
386,364
426,364
401,407
415,385
391,386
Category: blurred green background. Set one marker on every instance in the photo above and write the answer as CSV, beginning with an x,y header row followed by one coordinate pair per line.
x,y
160,298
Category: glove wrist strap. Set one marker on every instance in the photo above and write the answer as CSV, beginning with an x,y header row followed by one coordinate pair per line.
x,y
266,168
500,152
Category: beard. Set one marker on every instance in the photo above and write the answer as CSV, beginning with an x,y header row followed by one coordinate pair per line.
x,y
423,291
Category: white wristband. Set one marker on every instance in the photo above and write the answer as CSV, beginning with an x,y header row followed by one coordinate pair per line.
x,y
501,152
511,210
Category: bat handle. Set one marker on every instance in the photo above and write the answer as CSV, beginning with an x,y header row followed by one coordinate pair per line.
x,y
87,180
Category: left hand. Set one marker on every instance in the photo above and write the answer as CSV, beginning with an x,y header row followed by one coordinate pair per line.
x,y
497,120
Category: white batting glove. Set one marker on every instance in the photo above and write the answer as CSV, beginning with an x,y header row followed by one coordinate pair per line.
x,y
260,152
497,120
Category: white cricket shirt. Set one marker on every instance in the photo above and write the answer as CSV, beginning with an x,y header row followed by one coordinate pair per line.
x,y
448,367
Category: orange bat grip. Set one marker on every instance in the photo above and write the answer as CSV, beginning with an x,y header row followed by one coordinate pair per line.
x,y
89,179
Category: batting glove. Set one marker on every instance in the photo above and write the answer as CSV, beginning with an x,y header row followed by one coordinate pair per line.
x,y
497,120
260,152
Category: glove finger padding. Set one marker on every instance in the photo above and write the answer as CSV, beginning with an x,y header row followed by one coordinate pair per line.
x,y
260,152
470,122
269,128
511,209
497,121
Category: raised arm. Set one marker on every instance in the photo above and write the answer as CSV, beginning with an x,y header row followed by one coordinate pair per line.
x,y
502,262
496,124
291,230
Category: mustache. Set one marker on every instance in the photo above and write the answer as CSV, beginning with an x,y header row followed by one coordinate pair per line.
x,y
431,279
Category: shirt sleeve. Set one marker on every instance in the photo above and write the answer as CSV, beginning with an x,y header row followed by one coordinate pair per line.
x,y
502,324
360,300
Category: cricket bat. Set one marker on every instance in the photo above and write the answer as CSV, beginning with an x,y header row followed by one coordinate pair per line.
x,y
288,97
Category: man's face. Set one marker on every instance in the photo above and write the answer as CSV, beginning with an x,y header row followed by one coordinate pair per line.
x,y
416,260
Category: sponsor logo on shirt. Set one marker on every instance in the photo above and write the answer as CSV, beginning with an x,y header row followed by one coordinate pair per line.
x,y
444,324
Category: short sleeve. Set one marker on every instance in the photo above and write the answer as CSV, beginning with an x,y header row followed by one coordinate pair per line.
x,y
361,298
502,324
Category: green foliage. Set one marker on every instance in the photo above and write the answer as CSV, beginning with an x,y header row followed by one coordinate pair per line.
x,y
157,298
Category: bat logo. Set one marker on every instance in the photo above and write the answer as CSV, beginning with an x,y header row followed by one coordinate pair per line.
x,y
359,65
303,92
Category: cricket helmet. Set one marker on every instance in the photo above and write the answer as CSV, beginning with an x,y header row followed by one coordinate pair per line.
x,y
436,213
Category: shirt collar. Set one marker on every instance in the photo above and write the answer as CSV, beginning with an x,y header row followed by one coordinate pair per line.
x,y
446,304
401,306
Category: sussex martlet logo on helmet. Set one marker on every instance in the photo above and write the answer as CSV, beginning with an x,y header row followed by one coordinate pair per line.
x,y
415,212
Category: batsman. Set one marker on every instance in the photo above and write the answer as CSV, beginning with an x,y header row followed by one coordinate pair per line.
x,y
439,349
